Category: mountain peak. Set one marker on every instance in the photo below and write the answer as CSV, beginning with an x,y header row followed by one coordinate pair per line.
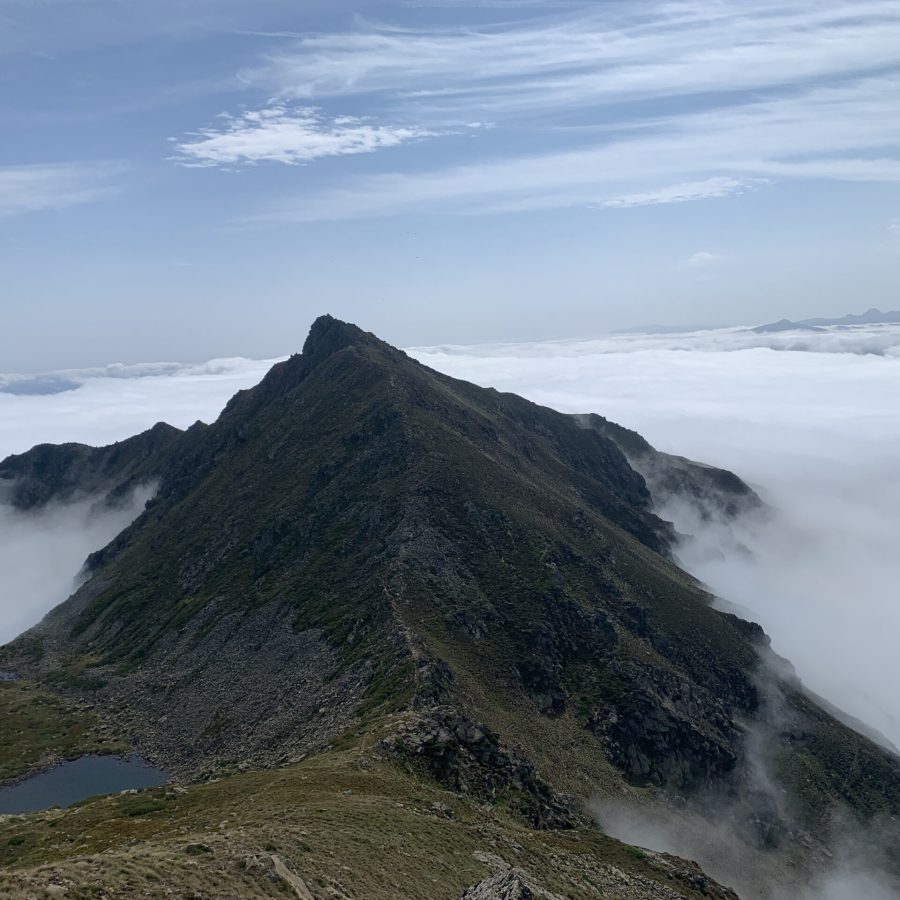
x,y
328,335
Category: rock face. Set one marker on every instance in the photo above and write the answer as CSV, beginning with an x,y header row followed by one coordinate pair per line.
x,y
195,701
504,886
359,538
681,880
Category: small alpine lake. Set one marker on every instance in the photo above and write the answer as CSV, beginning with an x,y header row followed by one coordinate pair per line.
x,y
77,779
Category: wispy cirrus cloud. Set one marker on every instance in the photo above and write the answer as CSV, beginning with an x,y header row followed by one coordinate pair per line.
x,y
32,188
597,53
618,105
710,188
282,134
844,132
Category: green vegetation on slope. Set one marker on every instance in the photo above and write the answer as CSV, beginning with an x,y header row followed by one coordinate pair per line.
x,y
38,727
345,822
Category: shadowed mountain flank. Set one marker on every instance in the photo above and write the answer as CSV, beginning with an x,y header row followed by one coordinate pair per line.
x,y
465,587
64,472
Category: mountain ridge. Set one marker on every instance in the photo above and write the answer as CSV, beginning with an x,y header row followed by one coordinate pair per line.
x,y
361,546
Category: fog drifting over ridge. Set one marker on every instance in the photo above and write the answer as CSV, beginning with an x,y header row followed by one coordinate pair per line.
x,y
812,420
814,431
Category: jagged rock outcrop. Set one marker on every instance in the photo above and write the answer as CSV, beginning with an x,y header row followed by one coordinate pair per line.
x,y
62,472
469,758
674,879
509,885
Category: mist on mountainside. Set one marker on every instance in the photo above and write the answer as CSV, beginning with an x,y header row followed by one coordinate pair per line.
x,y
809,422
42,552
813,431
818,574
856,870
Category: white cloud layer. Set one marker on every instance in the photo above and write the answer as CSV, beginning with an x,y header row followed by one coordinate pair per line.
x,y
117,401
278,133
595,52
875,340
41,554
680,193
702,259
840,133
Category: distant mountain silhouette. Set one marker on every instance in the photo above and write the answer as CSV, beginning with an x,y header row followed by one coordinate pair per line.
x,y
869,317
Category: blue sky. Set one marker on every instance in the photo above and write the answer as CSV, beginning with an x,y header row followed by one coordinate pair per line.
x,y
188,180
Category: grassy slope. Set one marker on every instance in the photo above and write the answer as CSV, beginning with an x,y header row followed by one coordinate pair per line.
x,y
347,823
39,727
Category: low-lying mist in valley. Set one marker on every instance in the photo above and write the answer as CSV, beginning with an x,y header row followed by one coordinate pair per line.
x,y
42,553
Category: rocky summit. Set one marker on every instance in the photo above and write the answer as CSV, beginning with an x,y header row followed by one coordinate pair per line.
x,y
399,636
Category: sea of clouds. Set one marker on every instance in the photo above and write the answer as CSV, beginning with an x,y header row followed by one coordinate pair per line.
x,y
812,420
